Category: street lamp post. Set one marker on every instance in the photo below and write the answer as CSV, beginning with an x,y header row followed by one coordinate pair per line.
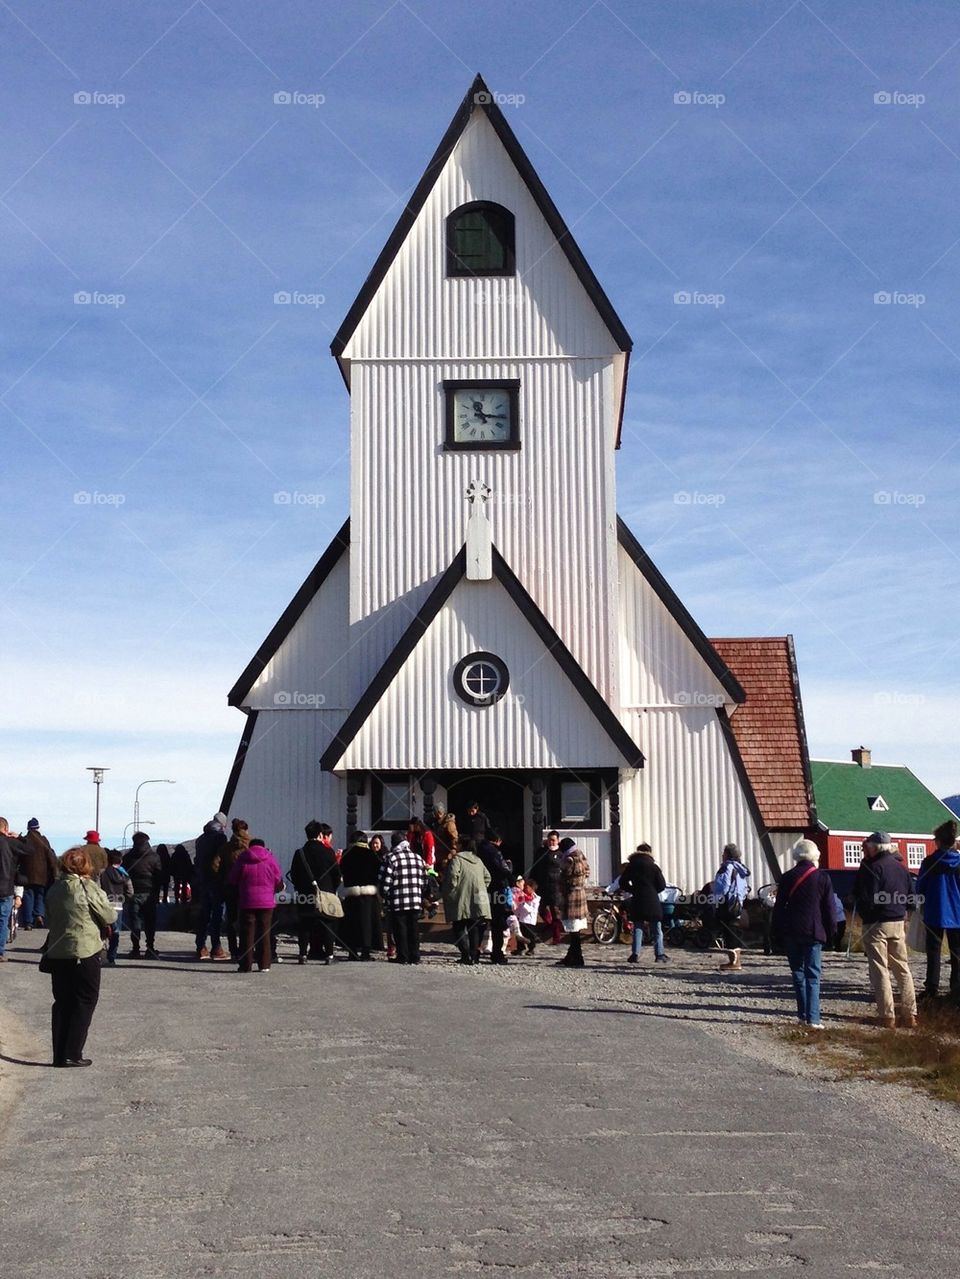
x,y
123,838
97,781
152,781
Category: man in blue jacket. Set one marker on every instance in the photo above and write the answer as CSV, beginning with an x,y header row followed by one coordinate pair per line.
x,y
883,891
938,887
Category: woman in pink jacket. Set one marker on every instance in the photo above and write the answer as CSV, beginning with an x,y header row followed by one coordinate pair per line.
x,y
257,877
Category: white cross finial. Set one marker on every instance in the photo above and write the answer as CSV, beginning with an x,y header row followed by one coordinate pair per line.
x,y
478,491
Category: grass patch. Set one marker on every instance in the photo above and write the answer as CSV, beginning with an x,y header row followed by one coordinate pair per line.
x,y
927,1058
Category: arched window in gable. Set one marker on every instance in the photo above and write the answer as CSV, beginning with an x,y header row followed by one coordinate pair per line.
x,y
480,240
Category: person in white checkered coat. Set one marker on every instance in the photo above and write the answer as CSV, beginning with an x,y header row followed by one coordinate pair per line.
x,y
402,883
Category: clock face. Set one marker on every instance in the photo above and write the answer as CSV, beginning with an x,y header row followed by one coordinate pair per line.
x,y
482,415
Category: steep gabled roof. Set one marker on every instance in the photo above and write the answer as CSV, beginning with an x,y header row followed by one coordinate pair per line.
x,y
479,98
769,728
415,632
843,792
290,616
671,602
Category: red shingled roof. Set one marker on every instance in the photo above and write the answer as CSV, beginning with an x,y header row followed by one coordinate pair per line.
x,y
769,728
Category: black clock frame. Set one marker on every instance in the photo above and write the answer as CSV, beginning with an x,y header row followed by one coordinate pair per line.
x,y
510,385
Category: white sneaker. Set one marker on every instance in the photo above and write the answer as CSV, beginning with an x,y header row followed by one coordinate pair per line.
x,y
815,1025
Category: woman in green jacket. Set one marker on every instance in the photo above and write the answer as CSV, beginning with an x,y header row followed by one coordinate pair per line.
x,y
78,911
466,901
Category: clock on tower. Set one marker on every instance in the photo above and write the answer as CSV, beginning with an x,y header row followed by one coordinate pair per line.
x,y
482,414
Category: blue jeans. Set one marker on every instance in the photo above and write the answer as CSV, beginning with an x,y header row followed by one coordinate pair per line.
x,y
116,929
804,959
212,905
6,910
34,902
656,927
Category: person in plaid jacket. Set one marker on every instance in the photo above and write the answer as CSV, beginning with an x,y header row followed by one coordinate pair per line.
x,y
402,881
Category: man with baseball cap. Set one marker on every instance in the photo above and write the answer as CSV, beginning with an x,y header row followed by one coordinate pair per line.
x,y
883,890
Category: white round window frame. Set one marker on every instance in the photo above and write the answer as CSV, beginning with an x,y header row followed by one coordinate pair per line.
x,y
466,665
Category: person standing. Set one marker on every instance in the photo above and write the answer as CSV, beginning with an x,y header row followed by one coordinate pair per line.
x,y
97,855
208,855
11,854
729,893
445,836
402,882
572,903
118,887
315,870
883,890
545,873
466,899
181,868
938,888
643,880
142,864
477,825
257,877
39,869
803,920
238,842
77,913
163,852
360,869
500,874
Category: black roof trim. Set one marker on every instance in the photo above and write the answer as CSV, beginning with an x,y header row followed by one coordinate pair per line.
x,y
245,738
762,833
290,615
802,730
674,606
479,97
418,627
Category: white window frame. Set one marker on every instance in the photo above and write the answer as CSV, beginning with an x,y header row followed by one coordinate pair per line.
x,y
852,853
915,855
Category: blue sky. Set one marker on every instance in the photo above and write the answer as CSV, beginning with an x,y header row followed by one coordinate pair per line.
x,y
790,452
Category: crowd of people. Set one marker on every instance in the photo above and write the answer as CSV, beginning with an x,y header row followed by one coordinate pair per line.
x,y
371,897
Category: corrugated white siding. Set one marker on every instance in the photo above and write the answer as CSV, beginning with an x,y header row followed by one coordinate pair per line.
x,y
418,313
783,841
552,509
281,786
658,664
687,802
421,723
314,666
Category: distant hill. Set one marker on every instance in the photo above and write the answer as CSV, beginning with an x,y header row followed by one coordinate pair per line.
x,y
953,803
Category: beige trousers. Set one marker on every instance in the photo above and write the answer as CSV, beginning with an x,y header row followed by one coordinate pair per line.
x,y
885,947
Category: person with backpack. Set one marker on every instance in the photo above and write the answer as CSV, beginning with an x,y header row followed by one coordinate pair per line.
x,y
729,893
803,924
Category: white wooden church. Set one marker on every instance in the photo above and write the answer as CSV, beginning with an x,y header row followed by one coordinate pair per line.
x,y
483,627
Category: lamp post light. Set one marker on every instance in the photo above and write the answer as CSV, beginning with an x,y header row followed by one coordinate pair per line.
x,y
97,781
152,781
123,838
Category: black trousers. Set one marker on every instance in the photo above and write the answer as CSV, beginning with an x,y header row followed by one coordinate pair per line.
x,y
406,935
76,990
255,938
360,919
316,933
142,914
498,922
528,934
934,945
467,934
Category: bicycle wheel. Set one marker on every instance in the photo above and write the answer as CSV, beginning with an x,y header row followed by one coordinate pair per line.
x,y
676,935
606,926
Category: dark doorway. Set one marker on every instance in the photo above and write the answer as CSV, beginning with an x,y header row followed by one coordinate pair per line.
x,y
501,798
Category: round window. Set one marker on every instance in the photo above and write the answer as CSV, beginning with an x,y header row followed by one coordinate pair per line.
x,y
481,679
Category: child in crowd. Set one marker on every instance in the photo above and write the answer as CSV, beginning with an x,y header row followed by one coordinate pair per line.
x,y
526,906
118,886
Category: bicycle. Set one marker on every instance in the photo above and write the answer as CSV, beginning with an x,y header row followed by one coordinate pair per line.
x,y
608,921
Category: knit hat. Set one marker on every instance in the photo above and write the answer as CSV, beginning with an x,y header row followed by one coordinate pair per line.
x,y
92,837
33,824
567,844
220,819
878,837
805,850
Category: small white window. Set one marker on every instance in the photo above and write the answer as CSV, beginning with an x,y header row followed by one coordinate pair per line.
x,y
915,855
574,802
852,852
878,804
